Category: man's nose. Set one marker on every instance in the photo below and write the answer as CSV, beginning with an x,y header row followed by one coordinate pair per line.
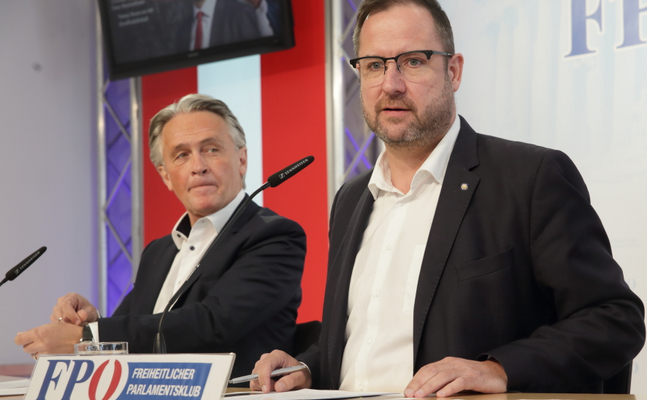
x,y
393,81
198,166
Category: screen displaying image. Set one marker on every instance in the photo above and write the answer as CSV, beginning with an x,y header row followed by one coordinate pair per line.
x,y
147,36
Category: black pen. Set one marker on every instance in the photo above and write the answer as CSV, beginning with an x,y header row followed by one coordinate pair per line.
x,y
275,373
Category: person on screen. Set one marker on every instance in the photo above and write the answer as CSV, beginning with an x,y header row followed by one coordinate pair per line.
x,y
461,261
268,13
244,296
209,23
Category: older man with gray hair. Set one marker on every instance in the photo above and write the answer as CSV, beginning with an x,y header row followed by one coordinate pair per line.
x,y
244,296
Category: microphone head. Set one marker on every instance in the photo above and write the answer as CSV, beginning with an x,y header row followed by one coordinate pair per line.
x,y
18,269
288,172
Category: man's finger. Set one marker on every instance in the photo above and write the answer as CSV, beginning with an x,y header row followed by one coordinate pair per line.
x,y
30,348
275,360
429,380
91,312
69,314
452,375
27,341
451,388
291,381
22,339
255,385
264,367
83,315
425,374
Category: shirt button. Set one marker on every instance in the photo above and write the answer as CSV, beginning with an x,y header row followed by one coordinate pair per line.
x,y
388,247
369,340
377,293
361,387
191,248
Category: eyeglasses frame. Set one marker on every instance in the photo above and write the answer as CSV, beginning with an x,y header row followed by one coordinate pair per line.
x,y
353,62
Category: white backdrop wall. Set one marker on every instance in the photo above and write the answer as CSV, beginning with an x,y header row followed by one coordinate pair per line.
x,y
47,166
570,75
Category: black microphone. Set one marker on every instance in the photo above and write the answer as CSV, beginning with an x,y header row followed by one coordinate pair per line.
x,y
288,172
274,180
18,269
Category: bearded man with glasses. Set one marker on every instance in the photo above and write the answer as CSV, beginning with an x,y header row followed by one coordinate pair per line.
x,y
461,261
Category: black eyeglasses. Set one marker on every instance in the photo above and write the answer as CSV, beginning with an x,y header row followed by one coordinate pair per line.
x,y
413,65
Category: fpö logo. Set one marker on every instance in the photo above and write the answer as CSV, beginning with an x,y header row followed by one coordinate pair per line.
x,y
112,379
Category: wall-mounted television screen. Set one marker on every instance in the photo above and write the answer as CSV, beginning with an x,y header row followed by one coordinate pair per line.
x,y
148,36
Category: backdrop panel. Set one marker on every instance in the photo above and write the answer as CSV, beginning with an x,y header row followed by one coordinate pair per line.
x,y
237,82
570,75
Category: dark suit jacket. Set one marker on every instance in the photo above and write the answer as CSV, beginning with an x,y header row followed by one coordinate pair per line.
x,y
233,21
274,16
517,267
243,298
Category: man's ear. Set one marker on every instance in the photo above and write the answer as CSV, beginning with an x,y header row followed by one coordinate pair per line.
x,y
242,158
165,178
455,70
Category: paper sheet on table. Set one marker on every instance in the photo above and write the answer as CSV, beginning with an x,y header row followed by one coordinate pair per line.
x,y
10,385
311,394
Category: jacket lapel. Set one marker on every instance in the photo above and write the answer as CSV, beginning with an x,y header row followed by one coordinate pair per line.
x,y
145,303
458,187
220,243
346,258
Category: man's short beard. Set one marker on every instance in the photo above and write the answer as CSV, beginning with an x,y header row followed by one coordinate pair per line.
x,y
428,128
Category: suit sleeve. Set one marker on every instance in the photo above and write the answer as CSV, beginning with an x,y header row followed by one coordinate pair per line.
x,y
599,322
263,279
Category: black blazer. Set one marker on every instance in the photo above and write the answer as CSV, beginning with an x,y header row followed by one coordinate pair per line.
x,y
517,267
243,298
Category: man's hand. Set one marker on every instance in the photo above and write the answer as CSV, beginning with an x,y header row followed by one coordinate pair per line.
x,y
54,338
75,309
452,375
275,360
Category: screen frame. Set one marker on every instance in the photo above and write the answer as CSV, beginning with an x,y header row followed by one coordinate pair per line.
x,y
281,41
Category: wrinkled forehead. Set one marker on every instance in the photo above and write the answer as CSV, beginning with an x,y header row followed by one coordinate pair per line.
x,y
195,126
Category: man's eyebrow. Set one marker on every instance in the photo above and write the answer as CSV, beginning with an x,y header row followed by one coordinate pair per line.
x,y
179,147
208,140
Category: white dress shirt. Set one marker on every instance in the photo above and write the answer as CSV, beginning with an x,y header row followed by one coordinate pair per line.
x,y
208,9
379,334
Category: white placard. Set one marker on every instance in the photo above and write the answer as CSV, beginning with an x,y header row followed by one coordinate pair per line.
x,y
130,377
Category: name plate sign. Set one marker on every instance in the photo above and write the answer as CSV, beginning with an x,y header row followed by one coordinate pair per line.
x,y
130,377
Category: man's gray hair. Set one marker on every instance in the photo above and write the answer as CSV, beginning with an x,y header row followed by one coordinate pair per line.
x,y
187,104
